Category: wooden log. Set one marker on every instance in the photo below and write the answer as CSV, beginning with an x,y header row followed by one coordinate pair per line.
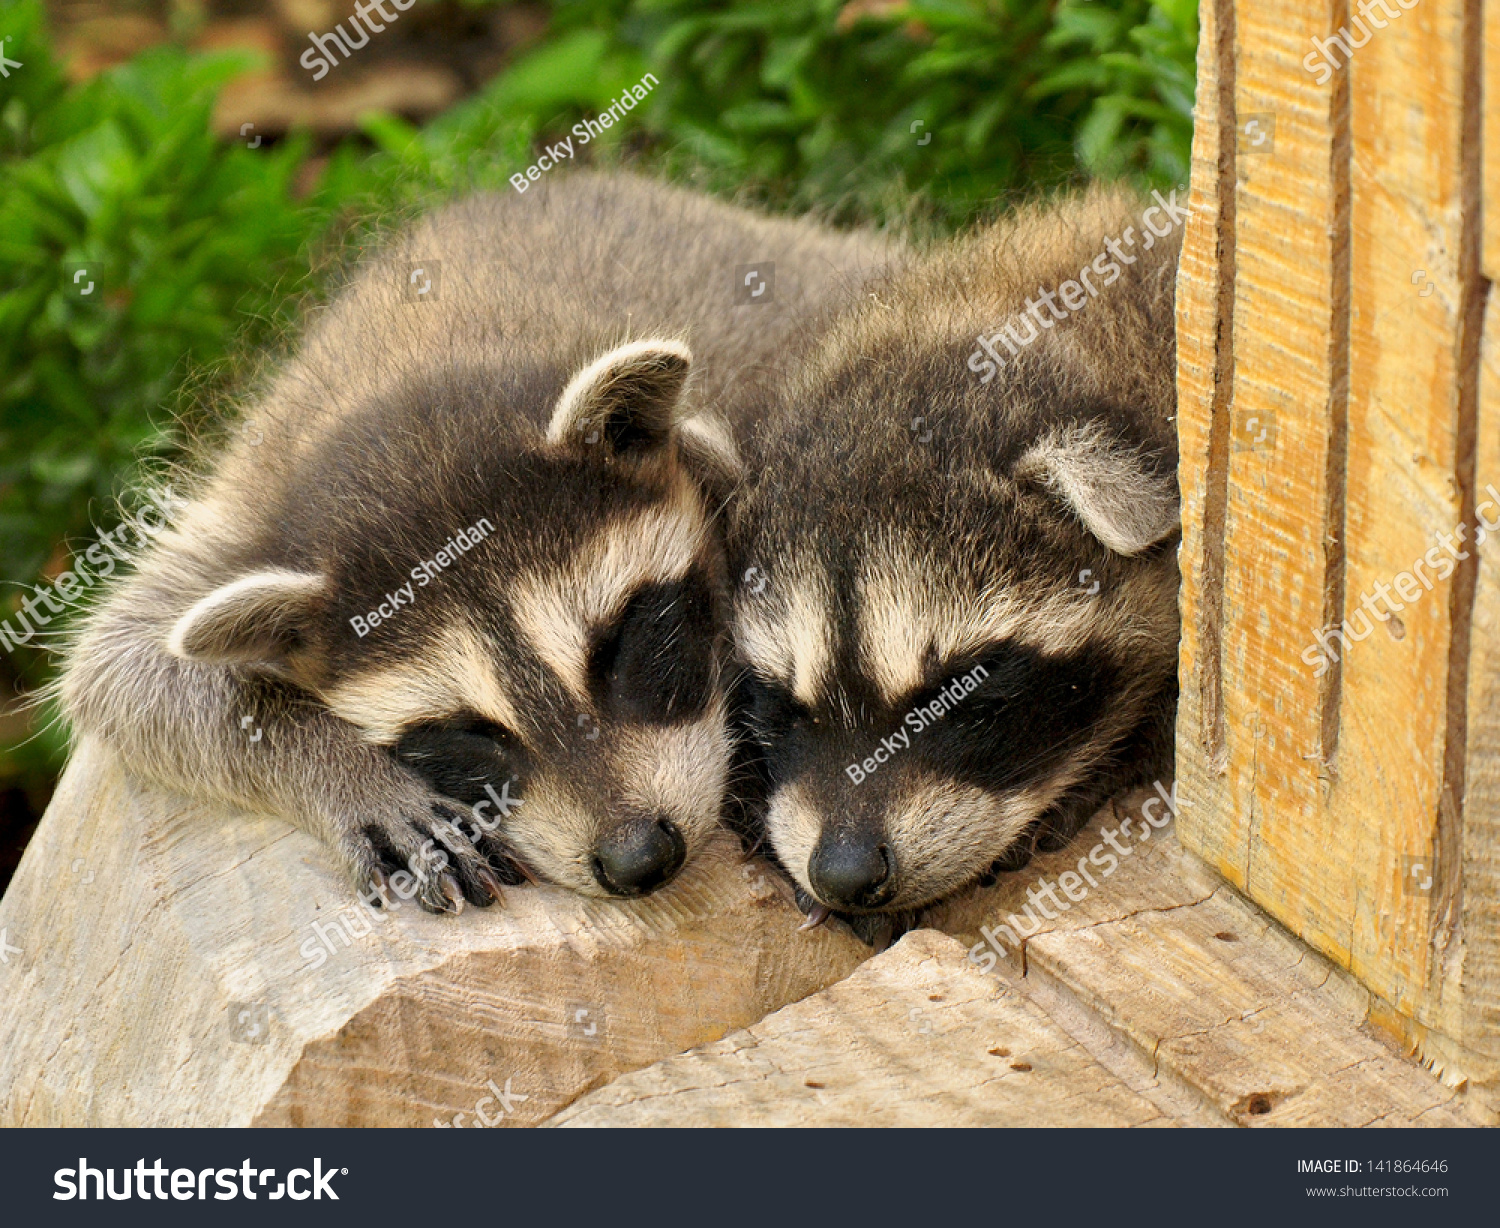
x,y
1158,998
915,1037
167,965
1334,428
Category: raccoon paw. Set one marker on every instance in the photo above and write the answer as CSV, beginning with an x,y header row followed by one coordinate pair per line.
x,y
479,860
421,837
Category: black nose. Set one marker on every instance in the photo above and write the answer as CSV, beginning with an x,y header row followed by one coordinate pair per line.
x,y
637,858
852,872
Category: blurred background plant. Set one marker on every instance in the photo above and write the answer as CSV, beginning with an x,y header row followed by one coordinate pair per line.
x,y
175,152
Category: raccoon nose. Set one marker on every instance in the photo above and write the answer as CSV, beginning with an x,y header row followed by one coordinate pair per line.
x,y
637,858
852,873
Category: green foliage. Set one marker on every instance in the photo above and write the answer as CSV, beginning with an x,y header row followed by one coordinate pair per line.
x,y
866,109
185,241
121,184
857,108
1137,66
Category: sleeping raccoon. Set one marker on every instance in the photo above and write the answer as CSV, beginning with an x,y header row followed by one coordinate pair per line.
x,y
965,637
464,578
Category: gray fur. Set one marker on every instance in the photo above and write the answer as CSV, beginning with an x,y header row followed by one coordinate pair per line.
x,y
399,421
912,522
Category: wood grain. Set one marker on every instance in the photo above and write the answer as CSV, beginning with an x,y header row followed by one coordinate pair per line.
x,y
915,1037
1225,1006
1332,304
164,977
1162,998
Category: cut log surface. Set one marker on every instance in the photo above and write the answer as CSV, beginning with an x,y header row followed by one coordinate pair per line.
x,y
916,1037
1160,998
168,965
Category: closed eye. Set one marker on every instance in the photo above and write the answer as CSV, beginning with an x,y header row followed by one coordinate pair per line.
x,y
1005,669
656,662
459,756
771,710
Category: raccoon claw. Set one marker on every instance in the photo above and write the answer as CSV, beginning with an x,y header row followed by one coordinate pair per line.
x,y
816,915
523,871
453,893
440,894
492,887
476,867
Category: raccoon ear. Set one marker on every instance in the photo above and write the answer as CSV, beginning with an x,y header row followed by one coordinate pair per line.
x,y
629,399
1123,498
255,620
709,453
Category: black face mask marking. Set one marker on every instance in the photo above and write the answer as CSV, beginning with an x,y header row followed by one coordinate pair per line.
x,y
780,728
1028,713
655,665
459,756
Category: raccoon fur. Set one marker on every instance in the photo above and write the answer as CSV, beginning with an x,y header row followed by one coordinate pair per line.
x,y
965,640
465,576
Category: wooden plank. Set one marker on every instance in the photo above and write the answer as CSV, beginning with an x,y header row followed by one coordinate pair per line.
x,y
1344,332
1160,997
1205,281
159,971
1399,790
1279,557
1221,1000
1256,462
1468,992
915,1037
1490,97
1231,1004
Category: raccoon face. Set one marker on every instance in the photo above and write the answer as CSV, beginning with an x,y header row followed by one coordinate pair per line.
x,y
562,674
928,684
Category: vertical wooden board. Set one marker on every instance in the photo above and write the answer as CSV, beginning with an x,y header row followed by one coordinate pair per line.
x,y
1479,980
1491,140
1469,994
1405,449
1352,432
1473,992
1282,427
1204,282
